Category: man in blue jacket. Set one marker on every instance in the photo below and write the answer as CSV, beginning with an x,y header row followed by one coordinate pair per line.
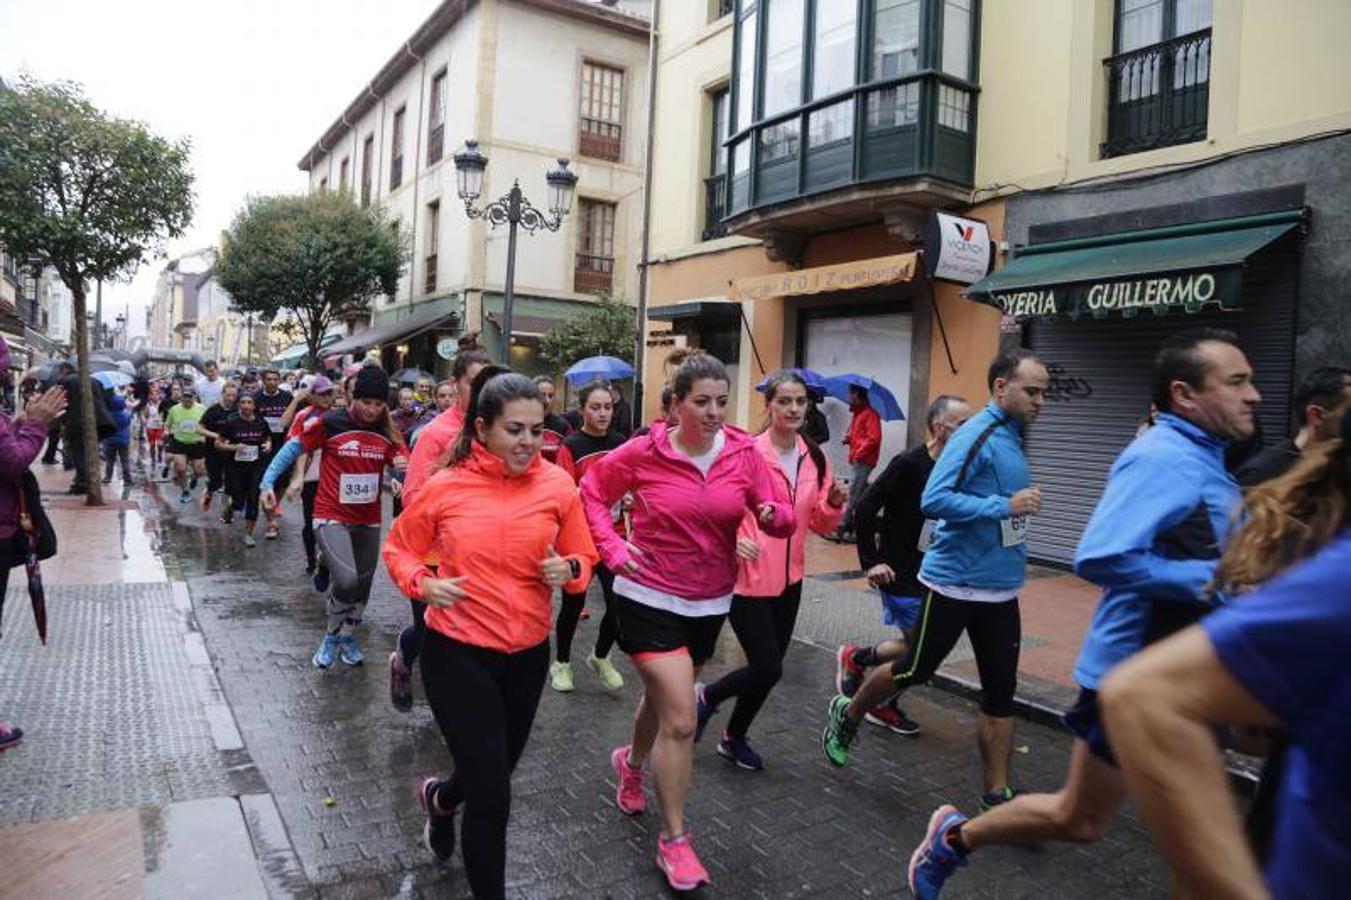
x,y
980,493
1152,546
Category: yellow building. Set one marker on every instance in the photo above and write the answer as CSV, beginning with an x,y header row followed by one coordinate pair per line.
x,y
1142,165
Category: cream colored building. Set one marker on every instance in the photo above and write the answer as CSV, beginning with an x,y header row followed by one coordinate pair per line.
x,y
533,81
1142,165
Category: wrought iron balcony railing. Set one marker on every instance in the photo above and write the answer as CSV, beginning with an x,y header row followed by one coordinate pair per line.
x,y
1158,95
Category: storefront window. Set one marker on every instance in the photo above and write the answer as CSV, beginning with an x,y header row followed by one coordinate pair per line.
x,y
895,38
783,56
833,60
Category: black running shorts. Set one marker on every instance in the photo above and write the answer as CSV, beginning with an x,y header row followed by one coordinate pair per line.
x,y
646,632
191,451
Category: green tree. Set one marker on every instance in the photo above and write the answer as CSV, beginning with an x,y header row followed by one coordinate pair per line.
x,y
89,195
606,328
320,257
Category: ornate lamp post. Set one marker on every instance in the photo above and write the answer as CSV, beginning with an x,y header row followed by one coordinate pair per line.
x,y
514,210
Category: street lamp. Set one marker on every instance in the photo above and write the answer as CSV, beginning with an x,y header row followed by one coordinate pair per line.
x,y
514,210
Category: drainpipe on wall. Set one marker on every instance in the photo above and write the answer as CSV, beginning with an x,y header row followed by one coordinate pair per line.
x,y
417,160
640,346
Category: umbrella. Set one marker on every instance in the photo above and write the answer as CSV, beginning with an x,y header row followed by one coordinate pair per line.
x,y
880,397
113,379
102,365
411,376
815,380
37,594
607,368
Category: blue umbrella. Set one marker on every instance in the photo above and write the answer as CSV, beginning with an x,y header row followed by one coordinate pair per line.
x,y
605,368
815,380
879,397
112,379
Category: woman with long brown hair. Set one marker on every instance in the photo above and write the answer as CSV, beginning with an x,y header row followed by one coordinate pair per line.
x,y
486,651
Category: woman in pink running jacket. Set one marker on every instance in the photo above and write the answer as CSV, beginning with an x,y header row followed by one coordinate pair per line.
x,y
691,485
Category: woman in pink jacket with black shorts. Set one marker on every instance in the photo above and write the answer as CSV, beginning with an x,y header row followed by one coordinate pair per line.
x,y
769,580
692,484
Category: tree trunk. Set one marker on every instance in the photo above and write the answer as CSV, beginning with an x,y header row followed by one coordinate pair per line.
x,y
88,424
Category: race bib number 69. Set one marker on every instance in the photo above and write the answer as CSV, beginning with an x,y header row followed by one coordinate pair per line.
x,y
359,488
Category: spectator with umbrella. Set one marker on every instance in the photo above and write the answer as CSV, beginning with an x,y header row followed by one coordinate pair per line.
x,y
864,439
20,442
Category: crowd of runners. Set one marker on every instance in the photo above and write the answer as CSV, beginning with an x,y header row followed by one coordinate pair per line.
x,y
1222,614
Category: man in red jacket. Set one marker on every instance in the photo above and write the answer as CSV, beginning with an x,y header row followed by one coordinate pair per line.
x,y
865,444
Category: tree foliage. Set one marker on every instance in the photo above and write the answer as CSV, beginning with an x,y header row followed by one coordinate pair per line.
x,y
606,328
320,257
89,195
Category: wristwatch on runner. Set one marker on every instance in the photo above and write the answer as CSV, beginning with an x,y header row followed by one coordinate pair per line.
x,y
576,567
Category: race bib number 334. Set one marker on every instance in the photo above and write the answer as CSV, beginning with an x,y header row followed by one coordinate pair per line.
x,y
359,488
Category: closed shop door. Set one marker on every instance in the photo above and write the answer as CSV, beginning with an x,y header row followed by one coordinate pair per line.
x,y
1100,392
876,346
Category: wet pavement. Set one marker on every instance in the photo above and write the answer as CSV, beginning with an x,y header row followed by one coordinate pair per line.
x,y
340,764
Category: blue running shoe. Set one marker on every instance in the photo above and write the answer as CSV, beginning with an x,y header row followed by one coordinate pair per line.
x,y
702,711
350,651
934,861
327,652
321,579
738,750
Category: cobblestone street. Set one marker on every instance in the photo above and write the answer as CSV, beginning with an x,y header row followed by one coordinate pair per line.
x,y
798,829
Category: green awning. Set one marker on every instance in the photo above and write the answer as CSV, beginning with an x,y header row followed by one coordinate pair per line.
x,y
1184,268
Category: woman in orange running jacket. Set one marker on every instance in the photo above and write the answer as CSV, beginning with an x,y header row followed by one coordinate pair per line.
x,y
507,528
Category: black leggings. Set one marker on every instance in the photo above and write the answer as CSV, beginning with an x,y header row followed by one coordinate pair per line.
x,y
307,492
995,630
410,639
244,480
215,469
764,625
484,703
571,610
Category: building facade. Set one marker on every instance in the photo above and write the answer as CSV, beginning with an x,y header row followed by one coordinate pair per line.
x,y
1141,165
813,139
532,81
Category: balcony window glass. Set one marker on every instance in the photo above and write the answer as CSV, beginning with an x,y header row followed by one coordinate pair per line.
x,y
1159,78
1140,24
833,60
957,38
893,107
830,125
741,174
779,141
745,93
954,108
895,39
783,56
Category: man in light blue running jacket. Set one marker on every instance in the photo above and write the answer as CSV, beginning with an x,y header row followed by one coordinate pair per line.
x,y
1152,546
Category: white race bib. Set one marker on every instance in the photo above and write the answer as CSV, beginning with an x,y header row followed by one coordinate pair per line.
x,y
1013,531
273,423
246,453
185,426
358,489
926,535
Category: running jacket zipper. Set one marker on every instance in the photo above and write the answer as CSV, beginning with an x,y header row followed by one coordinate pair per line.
x,y
792,503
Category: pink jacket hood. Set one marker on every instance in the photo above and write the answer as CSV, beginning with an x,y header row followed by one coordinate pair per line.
x,y
684,526
783,560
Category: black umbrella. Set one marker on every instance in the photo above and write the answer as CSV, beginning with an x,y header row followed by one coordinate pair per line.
x,y
411,376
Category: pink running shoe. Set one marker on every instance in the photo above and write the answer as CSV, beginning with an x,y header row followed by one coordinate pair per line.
x,y
676,859
629,793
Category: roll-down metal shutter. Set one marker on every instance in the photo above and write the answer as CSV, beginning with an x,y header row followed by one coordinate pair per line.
x,y
1100,390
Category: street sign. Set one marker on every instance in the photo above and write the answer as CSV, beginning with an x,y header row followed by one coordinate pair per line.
x,y
445,348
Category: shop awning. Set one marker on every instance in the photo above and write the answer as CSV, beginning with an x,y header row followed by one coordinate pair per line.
x,y
695,309
1179,269
389,332
850,276
295,352
525,325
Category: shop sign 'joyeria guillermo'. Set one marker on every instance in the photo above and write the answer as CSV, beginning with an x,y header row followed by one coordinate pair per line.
x,y
1160,294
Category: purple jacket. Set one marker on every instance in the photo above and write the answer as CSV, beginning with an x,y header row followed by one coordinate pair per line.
x,y
19,445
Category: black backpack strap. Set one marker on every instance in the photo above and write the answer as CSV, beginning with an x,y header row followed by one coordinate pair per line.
x,y
975,448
